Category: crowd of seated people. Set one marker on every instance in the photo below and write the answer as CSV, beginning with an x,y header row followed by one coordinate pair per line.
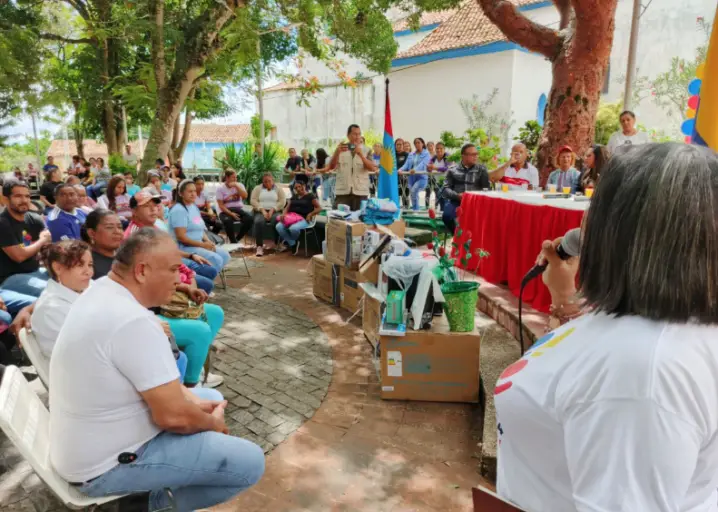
x,y
125,379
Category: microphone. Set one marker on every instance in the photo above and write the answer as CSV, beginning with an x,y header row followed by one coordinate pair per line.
x,y
570,246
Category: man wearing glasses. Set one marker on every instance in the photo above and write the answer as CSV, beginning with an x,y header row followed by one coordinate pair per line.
x,y
466,176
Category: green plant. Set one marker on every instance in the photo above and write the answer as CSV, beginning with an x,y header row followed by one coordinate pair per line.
x,y
118,165
489,148
607,121
493,125
250,167
446,271
529,135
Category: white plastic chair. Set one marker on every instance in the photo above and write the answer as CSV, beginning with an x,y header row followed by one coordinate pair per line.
x,y
26,422
230,248
34,354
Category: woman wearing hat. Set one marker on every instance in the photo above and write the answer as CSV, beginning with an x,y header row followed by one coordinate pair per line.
x,y
566,175
305,205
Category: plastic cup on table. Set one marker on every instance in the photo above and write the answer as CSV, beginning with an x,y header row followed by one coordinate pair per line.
x,y
552,188
589,192
504,187
566,190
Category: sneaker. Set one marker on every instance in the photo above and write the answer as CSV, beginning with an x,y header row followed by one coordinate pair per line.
x,y
213,380
260,252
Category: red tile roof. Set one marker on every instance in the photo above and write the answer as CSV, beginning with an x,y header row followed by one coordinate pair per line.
x,y
466,28
206,132
427,18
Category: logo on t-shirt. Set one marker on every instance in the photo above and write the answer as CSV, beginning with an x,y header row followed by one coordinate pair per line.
x,y
26,238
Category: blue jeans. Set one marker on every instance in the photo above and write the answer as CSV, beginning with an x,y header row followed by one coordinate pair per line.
x,y
202,469
417,183
449,216
291,234
328,185
218,258
15,301
204,274
182,365
31,284
195,337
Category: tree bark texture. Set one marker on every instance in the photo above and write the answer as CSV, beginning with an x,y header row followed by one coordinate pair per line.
x,y
175,84
579,54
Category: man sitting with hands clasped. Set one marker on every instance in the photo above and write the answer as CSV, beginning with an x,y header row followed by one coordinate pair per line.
x,y
120,421
466,176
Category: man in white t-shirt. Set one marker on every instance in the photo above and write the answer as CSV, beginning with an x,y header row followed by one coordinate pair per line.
x,y
120,421
517,173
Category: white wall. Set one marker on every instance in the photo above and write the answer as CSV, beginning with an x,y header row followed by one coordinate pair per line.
x,y
425,99
531,78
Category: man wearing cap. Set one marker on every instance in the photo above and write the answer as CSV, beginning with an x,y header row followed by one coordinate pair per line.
x,y
145,206
566,175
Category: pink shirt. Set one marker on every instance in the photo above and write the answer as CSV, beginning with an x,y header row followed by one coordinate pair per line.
x,y
230,196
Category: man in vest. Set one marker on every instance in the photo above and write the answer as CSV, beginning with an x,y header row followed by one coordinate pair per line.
x,y
353,167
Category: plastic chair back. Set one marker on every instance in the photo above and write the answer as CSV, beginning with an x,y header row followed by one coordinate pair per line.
x,y
34,354
26,422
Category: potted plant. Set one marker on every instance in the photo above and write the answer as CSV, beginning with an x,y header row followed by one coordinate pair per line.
x,y
460,296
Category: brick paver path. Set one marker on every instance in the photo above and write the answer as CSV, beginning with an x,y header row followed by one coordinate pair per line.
x,y
277,367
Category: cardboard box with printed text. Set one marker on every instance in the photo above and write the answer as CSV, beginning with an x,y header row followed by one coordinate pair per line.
x,y
433,365
344,240
325,280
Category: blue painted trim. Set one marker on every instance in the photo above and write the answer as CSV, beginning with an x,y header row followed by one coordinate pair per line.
x,y
425,28
534,6
499,46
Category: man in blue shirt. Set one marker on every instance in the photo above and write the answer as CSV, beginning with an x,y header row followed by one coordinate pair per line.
x,y
65,220
49,165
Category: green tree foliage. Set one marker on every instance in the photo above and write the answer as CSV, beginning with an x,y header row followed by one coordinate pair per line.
x,y
607,122
529,135
251,167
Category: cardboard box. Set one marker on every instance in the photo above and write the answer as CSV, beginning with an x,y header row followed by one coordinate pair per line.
x,y
434,365
350,293
325,278
344,240
371,319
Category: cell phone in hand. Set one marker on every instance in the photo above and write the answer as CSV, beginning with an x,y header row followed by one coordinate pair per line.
x,y
352,147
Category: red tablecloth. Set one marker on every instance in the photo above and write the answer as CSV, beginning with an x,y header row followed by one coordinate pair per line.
x,y
512,232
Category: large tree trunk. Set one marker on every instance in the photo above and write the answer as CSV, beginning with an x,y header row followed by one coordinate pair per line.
x,y
175,85
78,132
579,53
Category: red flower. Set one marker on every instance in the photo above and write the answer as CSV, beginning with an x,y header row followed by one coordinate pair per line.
x,y
430,245
432,214
458,212
442,252
434,233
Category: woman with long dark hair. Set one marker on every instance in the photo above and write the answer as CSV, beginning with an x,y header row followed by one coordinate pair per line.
x,y
116,198
594,161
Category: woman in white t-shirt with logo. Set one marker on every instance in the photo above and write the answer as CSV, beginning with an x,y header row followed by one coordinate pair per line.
x,y
268,202
617,410
628,135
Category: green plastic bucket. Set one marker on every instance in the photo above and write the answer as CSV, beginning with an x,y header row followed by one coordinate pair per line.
x,y
460,304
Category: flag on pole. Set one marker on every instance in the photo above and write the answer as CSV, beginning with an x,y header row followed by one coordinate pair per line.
x,y
706,126
388,176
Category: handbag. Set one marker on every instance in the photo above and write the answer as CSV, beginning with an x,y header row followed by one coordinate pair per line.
x,y
180,306
291,218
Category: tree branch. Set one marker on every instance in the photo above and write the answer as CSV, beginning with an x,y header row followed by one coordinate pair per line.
x,y
80,8
565,9
521,30
55,37
157,9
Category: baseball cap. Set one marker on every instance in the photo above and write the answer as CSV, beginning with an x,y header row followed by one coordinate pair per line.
x,y
143,197
564,148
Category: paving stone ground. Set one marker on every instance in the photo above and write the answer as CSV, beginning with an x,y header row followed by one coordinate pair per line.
x,y
302,384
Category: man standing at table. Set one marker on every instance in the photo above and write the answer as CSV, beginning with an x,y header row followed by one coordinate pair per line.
x,y
466,176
